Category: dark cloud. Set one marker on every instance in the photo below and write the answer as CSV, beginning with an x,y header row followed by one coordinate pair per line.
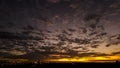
x,y
93,54
94,46
29,27
67,27
17,36
71,30
115,53
92,17
113,40
54,1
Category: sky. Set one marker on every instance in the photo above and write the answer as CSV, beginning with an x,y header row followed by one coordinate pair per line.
x,y
67,30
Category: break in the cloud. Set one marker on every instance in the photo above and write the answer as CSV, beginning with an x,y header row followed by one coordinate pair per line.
x,y
65,29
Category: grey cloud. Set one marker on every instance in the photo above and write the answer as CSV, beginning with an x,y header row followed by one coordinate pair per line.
x,y
93,54
38,39
92,17
94,46
115,53
113,40
71,30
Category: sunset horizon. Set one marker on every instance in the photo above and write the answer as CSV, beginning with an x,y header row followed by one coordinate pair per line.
x,y
38,32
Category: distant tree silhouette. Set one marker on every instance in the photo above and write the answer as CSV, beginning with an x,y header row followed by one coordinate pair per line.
x,y
117,61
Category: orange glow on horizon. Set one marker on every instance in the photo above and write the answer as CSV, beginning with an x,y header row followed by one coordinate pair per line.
x,y
88,59
73,60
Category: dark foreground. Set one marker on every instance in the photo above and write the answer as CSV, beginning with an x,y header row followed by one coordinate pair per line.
x,y
61,65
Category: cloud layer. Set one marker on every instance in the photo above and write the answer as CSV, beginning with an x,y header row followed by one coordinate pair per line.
x,y
58,30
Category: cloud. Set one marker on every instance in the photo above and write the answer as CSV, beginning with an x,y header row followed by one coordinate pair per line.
x,y
44,32
93,54
116,53
17,52
92,17
12,52
54,1
113,40
17,36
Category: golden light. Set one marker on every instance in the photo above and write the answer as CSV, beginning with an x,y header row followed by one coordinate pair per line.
x,y
100,58
88,59
69,60
72,60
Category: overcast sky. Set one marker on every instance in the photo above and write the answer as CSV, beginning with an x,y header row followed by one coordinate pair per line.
x,y
41,29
